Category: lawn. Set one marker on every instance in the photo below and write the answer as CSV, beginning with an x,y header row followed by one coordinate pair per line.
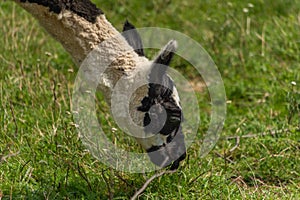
x,y
256,46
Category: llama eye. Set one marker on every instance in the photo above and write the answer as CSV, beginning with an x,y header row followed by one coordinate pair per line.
x,y
174,119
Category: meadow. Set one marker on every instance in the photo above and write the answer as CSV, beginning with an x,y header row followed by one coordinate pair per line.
x,y
256,46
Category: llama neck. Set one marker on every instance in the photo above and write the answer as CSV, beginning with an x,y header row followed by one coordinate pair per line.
x,y
80,35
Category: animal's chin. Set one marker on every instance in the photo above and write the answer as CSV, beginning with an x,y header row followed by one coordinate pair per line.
x,y
161,159
170,153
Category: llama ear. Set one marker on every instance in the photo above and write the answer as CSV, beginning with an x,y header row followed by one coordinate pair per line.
x,y
162,61
133,38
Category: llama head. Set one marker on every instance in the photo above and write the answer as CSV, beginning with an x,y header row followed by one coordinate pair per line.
x,y
161,106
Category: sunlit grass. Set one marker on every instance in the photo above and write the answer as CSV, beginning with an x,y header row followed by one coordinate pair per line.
x,y
256,46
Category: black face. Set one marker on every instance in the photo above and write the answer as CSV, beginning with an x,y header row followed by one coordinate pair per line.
x,y
167,114
163,114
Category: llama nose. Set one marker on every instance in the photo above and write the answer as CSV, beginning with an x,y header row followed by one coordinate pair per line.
x,y
160,157
164,158
170,153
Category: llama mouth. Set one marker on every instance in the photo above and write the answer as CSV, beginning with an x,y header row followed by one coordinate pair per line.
x,y
169,153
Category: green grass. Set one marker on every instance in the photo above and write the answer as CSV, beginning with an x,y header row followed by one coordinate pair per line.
x,y
258,55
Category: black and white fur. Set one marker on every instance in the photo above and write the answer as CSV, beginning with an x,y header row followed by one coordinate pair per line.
x,y
166,146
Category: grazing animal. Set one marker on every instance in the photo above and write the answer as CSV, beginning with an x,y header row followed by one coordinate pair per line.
x,y
80,27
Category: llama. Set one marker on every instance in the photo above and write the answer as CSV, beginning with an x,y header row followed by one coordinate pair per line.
x,y
80,27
